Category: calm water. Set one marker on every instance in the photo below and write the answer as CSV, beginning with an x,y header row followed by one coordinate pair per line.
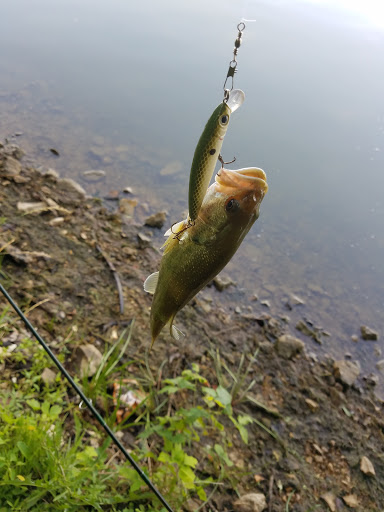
x,y
127,87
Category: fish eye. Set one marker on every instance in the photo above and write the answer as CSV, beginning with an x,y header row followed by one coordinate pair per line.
x,y
224,120
232,205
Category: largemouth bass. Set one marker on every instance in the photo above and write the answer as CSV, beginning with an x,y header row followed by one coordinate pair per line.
x,y
194,254
208,150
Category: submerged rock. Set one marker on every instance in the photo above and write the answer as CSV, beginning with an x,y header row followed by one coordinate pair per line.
x,y
222,282
156,220
368,334
11,167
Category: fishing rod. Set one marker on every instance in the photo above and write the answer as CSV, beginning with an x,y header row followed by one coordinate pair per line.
x,y
85,400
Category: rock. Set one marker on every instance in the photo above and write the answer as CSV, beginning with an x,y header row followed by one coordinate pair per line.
x,y
67,184
351,500
21,179
346,371
366,466
171,168
330,500
127,206
380,365
293,301
253,502
56,221
144,240
90,360
94,175
265,303
31,207
222,282
113,195
368,334
11,167
288,346
312,404
48,376
128,190
156,220
52,173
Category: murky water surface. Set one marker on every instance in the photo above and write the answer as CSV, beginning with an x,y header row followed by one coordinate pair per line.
x,y
127,87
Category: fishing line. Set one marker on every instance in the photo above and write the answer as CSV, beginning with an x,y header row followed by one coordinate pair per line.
x,y
85,400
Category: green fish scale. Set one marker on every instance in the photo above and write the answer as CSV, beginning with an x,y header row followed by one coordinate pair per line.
x,y
205,158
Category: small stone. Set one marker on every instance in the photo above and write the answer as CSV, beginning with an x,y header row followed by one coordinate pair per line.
x,y
346,371
94,175
265,303
90,360
354,338
222,282
380,365
171,168
56,221
368,334
351,500
113,195
144,240
237,310
31,207
288,346
48,376
127,206
330,500
11,167
21,179
253,502
52,173
128,190
366,466
156,220
312,404
71,185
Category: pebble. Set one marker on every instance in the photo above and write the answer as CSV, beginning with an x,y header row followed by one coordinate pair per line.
x,y
127,206
11,167
94,175
68,183
171,168
366,466
222,282
380,365
156,220
368,334
90,360
31,207
351,500
314,406
330,500
346,371
253,502
288,346
48,376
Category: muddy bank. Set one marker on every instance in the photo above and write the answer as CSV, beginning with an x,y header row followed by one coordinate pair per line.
x,y
61,251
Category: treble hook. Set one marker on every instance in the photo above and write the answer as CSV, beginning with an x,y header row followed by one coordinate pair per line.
x,y
221,160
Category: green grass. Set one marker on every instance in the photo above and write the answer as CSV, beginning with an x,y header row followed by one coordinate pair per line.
x,y
53,456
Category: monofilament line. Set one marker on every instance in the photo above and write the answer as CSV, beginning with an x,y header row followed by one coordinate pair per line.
x,y
85,400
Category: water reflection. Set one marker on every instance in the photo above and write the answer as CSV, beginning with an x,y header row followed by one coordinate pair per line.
x,y
127,87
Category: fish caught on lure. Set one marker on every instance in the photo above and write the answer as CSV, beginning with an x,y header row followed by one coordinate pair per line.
x,y
194,256
208,150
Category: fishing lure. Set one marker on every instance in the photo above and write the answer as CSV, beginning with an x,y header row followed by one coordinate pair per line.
x,y
208,150
209,146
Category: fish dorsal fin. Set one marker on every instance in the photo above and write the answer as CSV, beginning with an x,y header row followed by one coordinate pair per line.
x,y
151,283
176,333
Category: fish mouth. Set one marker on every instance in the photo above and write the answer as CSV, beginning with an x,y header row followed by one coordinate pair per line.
x,y
244,180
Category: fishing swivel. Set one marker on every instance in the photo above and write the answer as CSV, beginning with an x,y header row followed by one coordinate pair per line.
x,y
233,62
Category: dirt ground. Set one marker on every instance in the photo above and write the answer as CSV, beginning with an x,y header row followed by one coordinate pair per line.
x,y
324,422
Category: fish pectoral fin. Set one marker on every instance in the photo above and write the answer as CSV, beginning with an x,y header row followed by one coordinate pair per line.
x,y
172,233
176,332
151,282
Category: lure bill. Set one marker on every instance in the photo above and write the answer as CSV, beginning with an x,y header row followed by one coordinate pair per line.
x,y
208,150
195,254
